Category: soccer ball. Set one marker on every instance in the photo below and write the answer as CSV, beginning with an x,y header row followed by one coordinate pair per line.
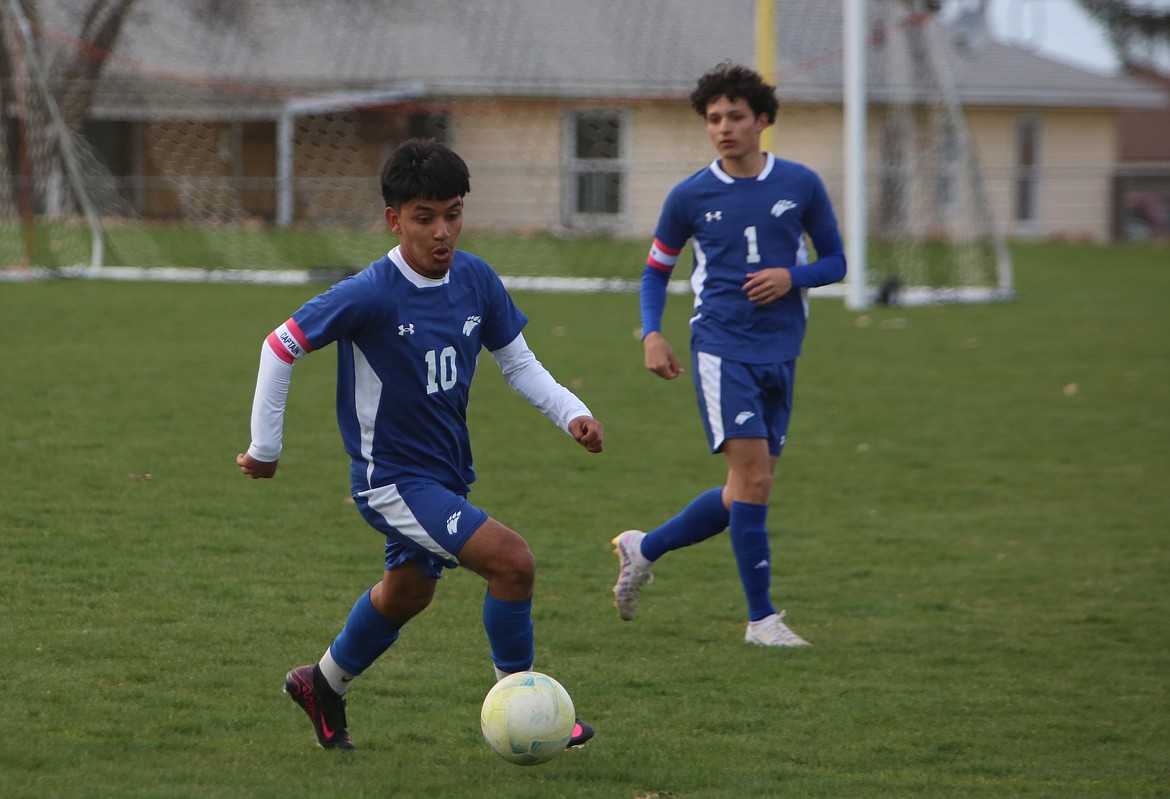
x,y
527,718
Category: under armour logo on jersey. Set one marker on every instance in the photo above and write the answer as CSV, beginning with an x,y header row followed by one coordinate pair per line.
x,y
404,330
453,522
713,216
743,416
781,206
470,324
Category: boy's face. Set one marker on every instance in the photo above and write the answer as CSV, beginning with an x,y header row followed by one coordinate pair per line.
x,y
734,128
428,231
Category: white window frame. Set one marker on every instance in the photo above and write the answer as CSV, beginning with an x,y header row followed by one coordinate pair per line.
x,y
572,217
1026,176
948,167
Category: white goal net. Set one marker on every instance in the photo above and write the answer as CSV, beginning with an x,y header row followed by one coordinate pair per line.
x,y
933,231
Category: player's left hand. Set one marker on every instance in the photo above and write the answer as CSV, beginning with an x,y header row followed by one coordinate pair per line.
x,y
767,285
257,470
588,432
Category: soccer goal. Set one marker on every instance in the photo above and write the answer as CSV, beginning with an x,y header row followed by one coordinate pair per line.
x,y
60,175
932,232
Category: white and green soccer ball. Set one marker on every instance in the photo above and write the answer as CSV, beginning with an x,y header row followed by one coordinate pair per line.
x,y
527,718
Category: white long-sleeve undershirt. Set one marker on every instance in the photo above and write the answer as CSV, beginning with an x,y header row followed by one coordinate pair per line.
x,y
272,382
522,371
528,378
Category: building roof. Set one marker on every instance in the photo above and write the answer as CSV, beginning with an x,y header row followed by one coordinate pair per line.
x,y
245,58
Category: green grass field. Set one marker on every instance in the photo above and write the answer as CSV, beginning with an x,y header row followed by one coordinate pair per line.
x,y
157,244
970,525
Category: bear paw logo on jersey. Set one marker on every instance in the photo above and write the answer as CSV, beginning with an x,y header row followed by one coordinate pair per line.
x,y
470,324
781,206
453,522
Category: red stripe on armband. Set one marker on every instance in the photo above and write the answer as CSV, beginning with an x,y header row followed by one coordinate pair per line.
x,y
662,257
665,249
298,334
288,342
659,267
278,349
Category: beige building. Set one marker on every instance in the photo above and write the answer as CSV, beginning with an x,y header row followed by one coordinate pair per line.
x,y
573,116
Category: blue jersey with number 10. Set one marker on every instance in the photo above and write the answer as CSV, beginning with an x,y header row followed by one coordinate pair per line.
x,y
407,350
739,226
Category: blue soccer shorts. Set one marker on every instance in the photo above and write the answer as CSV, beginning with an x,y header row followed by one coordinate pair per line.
x,y
423,522
743,400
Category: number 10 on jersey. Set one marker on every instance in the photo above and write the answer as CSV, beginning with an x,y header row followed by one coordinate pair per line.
x,y
441,370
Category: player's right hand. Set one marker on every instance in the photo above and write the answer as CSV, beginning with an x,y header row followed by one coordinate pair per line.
x,y
254,468
588,432
660,357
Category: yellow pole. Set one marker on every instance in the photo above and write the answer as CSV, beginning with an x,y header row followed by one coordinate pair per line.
x,y
766,52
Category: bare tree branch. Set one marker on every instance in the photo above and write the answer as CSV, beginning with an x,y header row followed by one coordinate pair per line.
x,y
1136,31
100,28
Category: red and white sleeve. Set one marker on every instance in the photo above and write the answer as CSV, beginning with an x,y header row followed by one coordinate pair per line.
x,y
277,355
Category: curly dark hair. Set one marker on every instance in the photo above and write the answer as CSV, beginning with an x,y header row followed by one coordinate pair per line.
x,y
423,169
734,81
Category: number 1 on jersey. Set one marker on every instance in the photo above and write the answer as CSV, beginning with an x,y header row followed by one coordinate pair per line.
x,y
753,255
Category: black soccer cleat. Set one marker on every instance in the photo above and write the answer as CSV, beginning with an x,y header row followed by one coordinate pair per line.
x,y
582,734
307,687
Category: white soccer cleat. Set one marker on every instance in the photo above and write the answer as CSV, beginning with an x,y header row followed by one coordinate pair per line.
x,y
772,631
634,572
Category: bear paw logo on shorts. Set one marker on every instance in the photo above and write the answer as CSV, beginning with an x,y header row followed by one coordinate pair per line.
x,y
453,522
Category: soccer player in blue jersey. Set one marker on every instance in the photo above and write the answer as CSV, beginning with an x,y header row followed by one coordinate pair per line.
x,y
747,214
409,330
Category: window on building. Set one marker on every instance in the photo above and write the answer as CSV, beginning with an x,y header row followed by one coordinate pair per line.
x,y
595,170
893,210
113,141
1026,211
947,167
430,126
114,180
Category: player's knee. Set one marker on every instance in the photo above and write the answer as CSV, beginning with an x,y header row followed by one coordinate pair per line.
x,y
418,599
403,608
520,569
512,574
503,558
755,487
402,601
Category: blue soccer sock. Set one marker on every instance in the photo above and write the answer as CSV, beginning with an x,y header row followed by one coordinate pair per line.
x,y
510,633
366,635
749,542
698,521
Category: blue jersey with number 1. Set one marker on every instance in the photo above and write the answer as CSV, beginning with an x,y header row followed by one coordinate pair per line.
x,y
743,225
407,350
